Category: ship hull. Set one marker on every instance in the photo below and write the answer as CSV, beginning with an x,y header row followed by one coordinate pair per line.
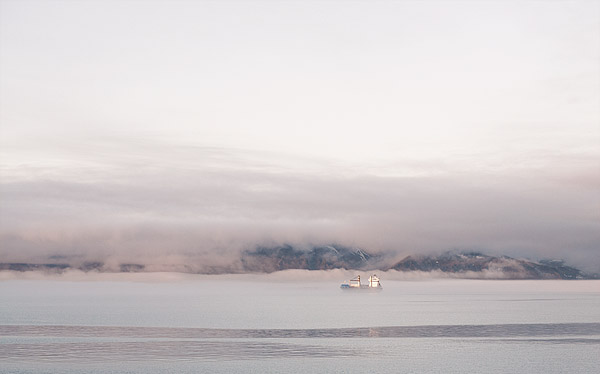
x,y
346,287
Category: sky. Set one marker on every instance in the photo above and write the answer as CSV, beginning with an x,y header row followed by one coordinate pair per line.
x,y
174,131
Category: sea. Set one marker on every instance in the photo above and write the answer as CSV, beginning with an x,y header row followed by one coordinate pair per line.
x,y
295,322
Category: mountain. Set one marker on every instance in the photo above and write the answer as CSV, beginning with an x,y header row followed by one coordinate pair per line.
x,y
271,259
478,265
456,264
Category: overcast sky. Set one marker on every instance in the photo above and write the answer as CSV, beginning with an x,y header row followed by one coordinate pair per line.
x,y
171,129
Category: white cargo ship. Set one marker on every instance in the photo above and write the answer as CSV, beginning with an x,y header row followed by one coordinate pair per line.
x,y
354,284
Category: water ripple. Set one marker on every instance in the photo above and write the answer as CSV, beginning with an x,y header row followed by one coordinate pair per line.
x,y
429,331
100,344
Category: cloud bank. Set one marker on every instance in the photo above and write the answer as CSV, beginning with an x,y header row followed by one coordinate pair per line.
x,y
161,204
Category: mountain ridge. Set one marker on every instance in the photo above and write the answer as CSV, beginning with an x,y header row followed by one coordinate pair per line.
x,y
264,259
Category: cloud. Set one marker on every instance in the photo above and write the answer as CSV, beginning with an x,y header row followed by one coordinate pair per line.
x,y
288,123
159,204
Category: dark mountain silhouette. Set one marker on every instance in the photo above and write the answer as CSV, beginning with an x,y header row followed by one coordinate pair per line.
x,y
270,259
284,257
472,264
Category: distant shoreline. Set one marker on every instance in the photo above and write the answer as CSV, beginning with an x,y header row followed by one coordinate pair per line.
x,y
57,271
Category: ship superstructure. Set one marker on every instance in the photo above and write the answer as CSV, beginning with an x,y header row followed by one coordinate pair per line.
x,y
374,281
354,284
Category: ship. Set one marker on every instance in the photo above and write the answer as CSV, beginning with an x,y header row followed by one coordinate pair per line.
x,y
354,284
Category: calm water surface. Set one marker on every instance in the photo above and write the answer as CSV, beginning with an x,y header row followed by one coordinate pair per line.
x,y
264,324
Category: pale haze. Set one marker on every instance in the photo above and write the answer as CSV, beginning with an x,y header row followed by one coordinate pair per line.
x,y
165,132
